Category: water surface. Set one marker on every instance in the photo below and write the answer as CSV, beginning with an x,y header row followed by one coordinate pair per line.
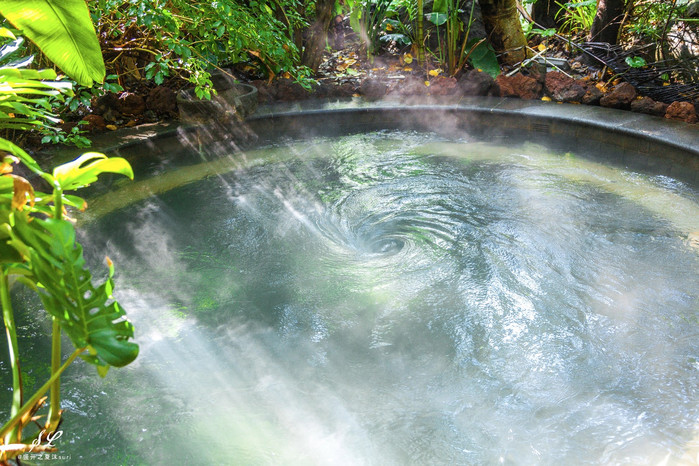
x,y
395,298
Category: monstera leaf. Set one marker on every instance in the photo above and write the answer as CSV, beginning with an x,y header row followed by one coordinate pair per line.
x,y
85,169
63,30
89,315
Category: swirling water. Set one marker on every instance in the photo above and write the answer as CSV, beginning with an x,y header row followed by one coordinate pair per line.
x,y
396,298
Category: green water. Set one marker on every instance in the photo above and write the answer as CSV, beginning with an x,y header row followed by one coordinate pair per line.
x,y
391,299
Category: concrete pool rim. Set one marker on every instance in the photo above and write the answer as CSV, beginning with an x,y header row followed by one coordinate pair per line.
x,y
660,146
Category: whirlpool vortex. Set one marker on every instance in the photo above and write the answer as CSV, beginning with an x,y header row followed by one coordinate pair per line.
x,y
401,298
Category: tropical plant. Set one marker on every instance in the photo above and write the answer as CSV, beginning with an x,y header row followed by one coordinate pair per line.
x,y
32,96
366,19
64,33
400,25
38,246
182,38
459,46
577,16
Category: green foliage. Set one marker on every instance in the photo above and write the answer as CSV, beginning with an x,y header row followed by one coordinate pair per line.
x,y
43,254
88,314
81,99
636,62
366,19
64,33
458,46
190,38
28,95
38,246
74,137
483,57
396,31
578,15
532,31
31,96
400,24
648,19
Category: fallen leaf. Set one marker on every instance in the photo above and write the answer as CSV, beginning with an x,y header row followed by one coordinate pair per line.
x,y
23,191
407,58
542,48
546,98
111,127
427,83
435,72
407,68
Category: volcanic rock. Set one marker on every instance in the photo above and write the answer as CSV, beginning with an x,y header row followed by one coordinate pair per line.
x,y
372,89
94,122
476,82
684,111
620,97
288,90
333,91
129,103
649,106
521,86
443,86
563,88
101,104
592,95
162,100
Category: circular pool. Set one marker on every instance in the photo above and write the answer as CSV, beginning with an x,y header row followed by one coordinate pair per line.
x,y
379,294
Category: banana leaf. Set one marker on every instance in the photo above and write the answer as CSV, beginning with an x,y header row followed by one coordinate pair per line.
x,y
62,30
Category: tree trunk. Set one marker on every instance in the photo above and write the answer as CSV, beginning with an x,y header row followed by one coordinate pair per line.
x,y
545,13
318,34
605,26
504,30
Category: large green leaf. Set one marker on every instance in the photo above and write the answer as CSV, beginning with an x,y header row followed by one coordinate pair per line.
x,y
63,30
85,169
25,158
89,315
483,57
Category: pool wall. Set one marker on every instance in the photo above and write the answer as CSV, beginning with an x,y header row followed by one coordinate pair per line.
x,y
640,142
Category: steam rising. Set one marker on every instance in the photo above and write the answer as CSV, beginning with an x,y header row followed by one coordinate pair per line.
x,y
400,298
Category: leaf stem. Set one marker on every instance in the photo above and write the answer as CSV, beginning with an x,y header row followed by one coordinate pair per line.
x,y
39,393
11,436
54,415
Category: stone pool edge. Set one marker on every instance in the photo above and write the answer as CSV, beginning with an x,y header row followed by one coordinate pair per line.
x,y
663,146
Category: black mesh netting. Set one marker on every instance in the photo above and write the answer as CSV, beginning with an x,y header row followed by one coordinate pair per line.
x,y
652,79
